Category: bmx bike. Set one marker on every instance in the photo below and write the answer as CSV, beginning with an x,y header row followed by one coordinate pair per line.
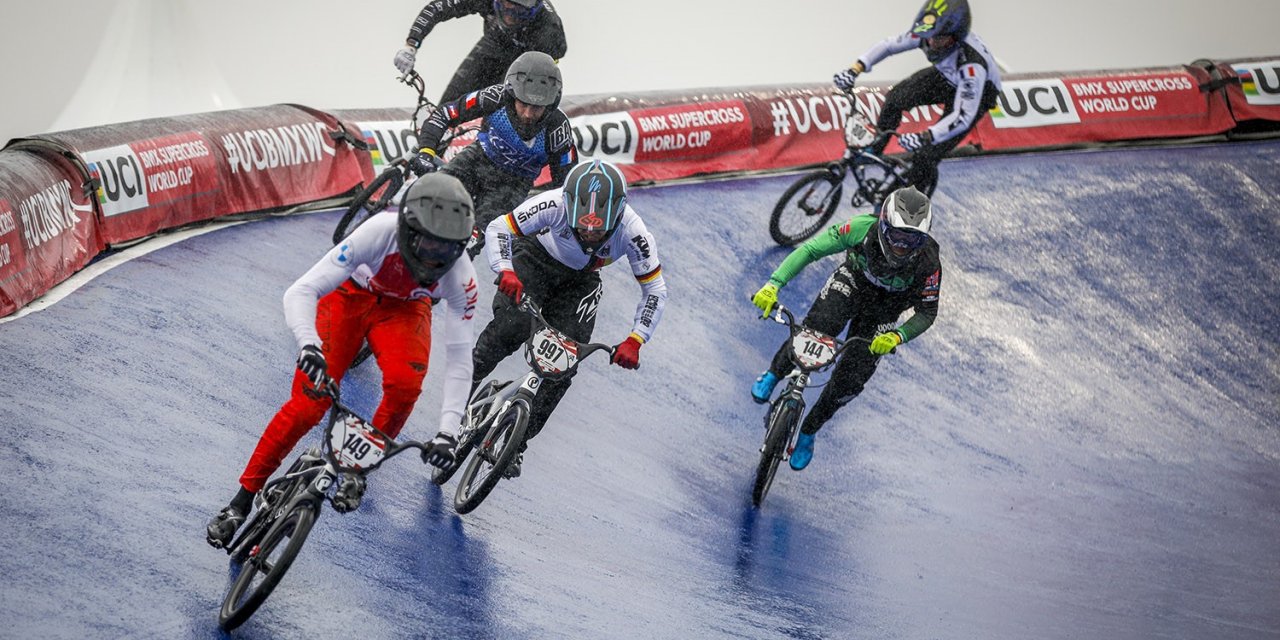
x,y
287,507
383,190
812,352
808,204
498,414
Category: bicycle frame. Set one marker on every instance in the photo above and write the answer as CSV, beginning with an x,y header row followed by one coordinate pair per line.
x,y
550,354
317,479
858,159
824,351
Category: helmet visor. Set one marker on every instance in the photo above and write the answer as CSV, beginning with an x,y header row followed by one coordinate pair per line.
x,y
515,13
434,253
902,241
939,46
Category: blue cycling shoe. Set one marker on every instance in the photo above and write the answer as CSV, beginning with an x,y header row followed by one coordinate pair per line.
x,y
804,451
762,390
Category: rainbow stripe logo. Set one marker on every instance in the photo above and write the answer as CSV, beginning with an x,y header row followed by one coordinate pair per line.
x,y
1259,81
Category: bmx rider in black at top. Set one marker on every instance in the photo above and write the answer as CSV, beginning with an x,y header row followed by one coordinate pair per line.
x,y
511,27
964,78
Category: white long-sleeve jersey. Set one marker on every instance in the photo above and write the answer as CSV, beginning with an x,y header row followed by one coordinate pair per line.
x,y
969,68
371,258
544,218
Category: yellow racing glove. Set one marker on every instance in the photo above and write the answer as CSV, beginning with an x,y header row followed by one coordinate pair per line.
x,y
765,298
885,342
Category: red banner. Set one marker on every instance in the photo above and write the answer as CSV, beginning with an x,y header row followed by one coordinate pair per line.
x,y
1066,110
163,173
47,226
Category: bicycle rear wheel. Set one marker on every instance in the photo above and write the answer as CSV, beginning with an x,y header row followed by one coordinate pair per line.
x,y
266,565
782,421
494,453
372,200
805,207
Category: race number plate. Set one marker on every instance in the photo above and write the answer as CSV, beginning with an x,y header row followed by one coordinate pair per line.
x,y
858,130
355,443
554,352
813,349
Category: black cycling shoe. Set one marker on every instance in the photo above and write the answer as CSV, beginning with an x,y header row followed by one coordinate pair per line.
x,y
513,469
349,494
222,528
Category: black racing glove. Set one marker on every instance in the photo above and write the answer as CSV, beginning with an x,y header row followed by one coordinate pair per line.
x,y
441,452
425,162
312,364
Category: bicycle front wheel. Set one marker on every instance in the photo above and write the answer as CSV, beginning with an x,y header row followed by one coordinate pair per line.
x,y
266,564
783,418
372,200
805,207
498,448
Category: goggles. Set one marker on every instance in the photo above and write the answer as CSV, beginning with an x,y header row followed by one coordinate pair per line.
x,y
902,240
515,11
433,252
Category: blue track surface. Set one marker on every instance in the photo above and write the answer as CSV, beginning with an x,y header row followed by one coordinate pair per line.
x,y
1085,445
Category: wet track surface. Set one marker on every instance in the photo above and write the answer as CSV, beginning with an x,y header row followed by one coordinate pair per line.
x,y
1085,445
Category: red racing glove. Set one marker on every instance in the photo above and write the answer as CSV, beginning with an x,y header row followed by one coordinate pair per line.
x,y
627,353
509,284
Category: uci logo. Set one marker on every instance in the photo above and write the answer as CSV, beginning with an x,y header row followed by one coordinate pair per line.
x,y
122,181
1260,82
1033,103
609,135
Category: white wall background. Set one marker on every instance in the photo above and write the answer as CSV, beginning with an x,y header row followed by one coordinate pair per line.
x,y
59,70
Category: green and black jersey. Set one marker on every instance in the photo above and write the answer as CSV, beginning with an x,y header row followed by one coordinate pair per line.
x,y
915,285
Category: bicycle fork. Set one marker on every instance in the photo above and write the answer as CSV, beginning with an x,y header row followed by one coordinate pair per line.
x,y
793,395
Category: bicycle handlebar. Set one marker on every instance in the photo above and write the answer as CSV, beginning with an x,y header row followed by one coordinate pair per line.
x,y
784,316
331,388
584,348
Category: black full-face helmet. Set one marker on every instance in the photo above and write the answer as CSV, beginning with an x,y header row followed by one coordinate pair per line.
x,y
941,25
595,196
903,229
436,218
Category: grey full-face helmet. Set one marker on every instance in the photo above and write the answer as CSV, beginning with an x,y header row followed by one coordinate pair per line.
x,y
534,79
436,219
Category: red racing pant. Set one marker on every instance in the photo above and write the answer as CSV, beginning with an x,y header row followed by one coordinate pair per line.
x,y
399,334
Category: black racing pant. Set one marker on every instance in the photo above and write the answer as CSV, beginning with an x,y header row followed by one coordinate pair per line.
x,y
928,87
486,65
568,298
850,299
494,191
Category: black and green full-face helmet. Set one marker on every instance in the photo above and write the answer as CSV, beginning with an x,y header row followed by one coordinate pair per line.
x,y
534,79
436,219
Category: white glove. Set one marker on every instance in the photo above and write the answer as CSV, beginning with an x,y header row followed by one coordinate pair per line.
x,y
844,80
915,141
405,57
